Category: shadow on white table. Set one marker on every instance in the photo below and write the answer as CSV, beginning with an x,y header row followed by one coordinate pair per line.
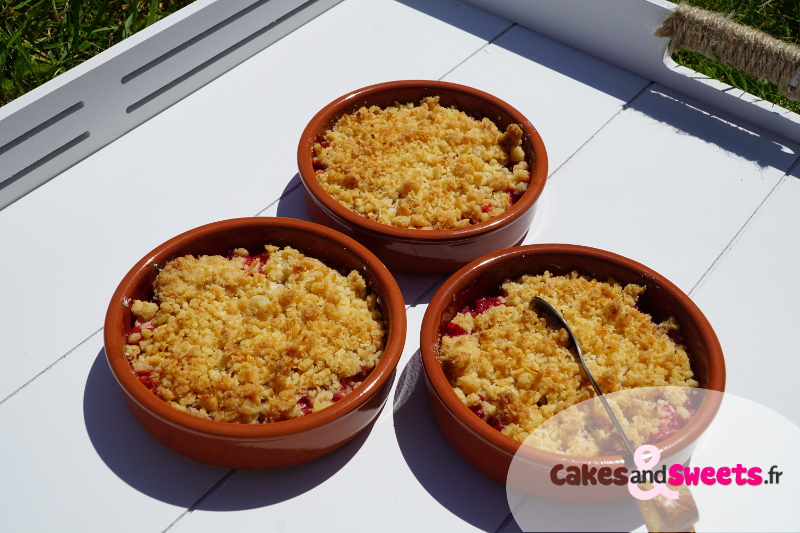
x,y
454,483
147,466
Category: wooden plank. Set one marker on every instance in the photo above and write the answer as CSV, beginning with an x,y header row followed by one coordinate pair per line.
x,y
58,124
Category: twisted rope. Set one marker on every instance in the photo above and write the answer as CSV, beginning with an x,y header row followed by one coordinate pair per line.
x,y
742,47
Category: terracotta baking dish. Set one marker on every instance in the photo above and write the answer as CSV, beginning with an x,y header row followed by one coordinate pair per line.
x,y
270,445
425,251
492,452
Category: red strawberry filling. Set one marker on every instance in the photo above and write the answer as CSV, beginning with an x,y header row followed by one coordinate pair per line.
x,y
483,303
318,165
250,260
148,380
493,421
305,406
348,384
514,194
670,423
451,329
139,326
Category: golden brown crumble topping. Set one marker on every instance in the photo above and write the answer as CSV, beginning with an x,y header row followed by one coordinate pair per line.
x,y
422,166
256,338
507,364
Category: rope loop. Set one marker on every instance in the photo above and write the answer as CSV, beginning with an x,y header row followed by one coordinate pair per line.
x,y
747,49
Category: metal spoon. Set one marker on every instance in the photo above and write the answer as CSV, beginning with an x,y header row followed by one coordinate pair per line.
x,y
658,514
545,308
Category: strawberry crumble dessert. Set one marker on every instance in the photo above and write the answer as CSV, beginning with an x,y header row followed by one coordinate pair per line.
x,y
255,338
515,370
422,166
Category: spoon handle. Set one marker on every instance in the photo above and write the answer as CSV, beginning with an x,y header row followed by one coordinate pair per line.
x,y
660,514
544,305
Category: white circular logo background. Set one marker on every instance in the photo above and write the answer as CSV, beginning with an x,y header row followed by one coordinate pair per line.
x,y
744,436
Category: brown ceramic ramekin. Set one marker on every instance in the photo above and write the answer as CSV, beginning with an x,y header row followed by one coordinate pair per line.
x,y
268,445
425,251
491,451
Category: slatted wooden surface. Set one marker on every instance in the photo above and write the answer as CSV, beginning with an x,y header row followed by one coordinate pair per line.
x,y
637,169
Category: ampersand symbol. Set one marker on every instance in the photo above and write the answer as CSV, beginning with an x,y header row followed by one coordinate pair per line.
x,y
645,464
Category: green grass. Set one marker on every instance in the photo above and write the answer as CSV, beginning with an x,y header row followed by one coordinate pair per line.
x,y
40,39
779,18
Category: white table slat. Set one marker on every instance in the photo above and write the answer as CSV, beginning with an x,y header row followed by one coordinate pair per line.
x,y
635,168
228,150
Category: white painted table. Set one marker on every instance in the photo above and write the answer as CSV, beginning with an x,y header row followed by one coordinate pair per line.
x,y
636,168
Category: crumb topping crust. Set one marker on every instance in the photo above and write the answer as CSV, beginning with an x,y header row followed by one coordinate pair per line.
x,y
252,339
422,166
515,370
